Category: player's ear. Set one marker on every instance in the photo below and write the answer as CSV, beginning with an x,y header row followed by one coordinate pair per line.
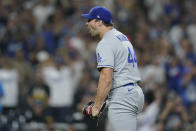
x,y
100,22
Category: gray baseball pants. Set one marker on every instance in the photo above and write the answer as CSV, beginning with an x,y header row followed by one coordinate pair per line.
x,y
125,103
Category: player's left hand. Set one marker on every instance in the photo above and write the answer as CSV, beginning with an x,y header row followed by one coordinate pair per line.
x,y
95,111
92,111
87,110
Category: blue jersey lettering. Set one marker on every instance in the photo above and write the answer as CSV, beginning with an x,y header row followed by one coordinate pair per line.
x,y
122,38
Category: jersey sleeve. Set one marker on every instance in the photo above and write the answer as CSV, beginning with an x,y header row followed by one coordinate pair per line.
x,y
105,56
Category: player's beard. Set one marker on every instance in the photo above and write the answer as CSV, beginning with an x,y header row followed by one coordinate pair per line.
x,y
93,31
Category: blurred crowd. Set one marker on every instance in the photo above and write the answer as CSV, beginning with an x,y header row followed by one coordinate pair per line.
x,y
48,62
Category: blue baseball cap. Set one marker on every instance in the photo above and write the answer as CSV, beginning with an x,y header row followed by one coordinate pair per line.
x,y
100,13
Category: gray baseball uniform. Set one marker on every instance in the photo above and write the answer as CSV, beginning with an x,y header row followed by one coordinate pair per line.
x,y
126,98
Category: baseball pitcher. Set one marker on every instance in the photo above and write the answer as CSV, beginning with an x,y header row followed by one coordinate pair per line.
x,y
119,75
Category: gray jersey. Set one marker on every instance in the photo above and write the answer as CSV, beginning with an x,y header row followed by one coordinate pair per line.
x,y
116,51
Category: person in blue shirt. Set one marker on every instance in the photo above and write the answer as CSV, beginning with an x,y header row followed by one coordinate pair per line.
x,y
1,95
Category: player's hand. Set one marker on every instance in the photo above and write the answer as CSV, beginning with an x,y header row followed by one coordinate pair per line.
x,y
87,110
95,111
91,111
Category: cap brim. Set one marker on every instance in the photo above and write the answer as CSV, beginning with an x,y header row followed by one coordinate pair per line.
x,y
87,16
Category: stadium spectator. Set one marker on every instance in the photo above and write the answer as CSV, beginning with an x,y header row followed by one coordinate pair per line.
x,y
1,96
9,78
38,99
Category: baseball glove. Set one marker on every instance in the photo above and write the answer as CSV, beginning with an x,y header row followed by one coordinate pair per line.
x,y
87,110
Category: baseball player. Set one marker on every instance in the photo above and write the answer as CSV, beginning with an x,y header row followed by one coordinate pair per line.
x,y
119,75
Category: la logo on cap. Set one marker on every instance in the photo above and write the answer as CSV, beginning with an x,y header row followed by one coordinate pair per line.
x,y
99,12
